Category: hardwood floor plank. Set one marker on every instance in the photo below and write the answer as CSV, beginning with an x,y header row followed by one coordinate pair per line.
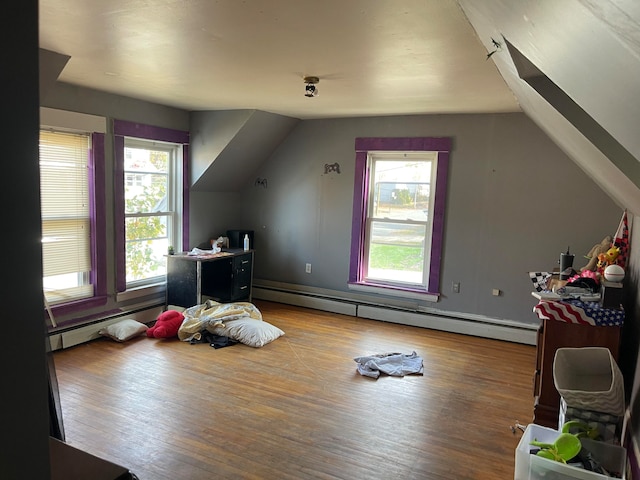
x,y
297,408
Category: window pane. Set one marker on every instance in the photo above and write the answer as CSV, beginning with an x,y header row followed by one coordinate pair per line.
x,y
397,230
146,227
401,190
149,162
396,252
146,185
65,246
66,230
147,243
146,180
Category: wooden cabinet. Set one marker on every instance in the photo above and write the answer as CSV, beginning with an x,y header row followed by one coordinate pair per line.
x,y
224,278
554,334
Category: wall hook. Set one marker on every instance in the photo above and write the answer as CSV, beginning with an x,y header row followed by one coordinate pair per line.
x,y
260,182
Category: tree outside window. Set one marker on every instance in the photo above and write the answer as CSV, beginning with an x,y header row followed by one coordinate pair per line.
x,y
147,211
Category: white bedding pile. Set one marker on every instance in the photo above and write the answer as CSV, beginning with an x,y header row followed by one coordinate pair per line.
x,y
240,321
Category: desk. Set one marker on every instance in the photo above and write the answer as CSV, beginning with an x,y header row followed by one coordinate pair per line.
x,y
557,331
224,277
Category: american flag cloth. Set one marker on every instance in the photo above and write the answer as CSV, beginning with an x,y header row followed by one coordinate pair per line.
x,y
539,280
621,240
582,313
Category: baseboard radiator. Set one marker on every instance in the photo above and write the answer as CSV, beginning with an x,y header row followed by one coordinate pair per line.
x,y
77,335
468,325
330,302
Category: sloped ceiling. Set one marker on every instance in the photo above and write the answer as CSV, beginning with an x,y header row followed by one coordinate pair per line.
x,y
576,61
228,146
51,65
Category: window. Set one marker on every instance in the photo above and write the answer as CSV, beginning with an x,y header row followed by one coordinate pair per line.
x,y
72,208
66,226
150,207
398,215
151,201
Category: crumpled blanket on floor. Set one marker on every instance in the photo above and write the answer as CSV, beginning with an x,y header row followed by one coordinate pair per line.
x,y
212,314
396,364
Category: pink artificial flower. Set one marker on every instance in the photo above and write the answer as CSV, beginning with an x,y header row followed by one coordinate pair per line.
x,y
586,274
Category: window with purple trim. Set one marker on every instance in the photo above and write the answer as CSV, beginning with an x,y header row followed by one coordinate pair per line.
x,y
151,201
68,229
399,195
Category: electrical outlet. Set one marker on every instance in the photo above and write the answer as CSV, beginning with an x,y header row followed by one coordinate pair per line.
x,y
455,287
307,268
496,292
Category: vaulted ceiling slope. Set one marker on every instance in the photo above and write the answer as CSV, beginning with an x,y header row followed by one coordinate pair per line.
x,y
574,68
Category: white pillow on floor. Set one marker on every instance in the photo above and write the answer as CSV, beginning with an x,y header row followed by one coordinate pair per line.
x,y
123,330
247,330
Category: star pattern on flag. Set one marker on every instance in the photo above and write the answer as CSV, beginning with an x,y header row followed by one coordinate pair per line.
x,y
606,317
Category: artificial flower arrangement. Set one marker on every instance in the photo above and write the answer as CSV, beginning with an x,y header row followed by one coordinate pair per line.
x,y
590,274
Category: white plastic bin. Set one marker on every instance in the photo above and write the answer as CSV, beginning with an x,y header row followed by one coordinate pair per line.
x,y
532,467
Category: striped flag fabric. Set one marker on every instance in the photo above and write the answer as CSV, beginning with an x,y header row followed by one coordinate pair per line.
x,y
578,312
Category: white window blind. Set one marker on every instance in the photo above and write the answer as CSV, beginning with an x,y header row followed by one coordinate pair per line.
x,y
64,188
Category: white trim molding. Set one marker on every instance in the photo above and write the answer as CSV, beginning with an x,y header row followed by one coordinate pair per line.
x,y
401,312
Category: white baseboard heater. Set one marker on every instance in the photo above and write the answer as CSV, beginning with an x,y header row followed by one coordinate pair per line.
x,y
473,325
78,335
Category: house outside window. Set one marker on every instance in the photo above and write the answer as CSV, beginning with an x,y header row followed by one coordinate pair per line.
x,y
400,188
152,201
151,223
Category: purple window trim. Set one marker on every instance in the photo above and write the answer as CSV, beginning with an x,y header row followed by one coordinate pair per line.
x,y
118,195
98,274
121,129
98,206
149,132
185,197
363,146
77,306
92,318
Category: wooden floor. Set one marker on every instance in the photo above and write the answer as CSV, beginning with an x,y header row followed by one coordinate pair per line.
x,y
297,408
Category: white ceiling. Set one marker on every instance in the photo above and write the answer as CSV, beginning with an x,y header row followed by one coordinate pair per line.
x,y
373,57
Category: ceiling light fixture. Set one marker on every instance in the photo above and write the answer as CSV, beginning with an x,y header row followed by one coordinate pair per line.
x,y
310,89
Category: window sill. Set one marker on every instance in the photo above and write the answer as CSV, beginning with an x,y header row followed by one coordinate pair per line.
x,y
143,291
76,306
395,291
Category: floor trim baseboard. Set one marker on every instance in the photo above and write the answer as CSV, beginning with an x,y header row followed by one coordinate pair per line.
x,y
477,326
78,335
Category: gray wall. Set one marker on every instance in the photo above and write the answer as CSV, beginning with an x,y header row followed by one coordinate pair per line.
x,y
514,202
211,215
